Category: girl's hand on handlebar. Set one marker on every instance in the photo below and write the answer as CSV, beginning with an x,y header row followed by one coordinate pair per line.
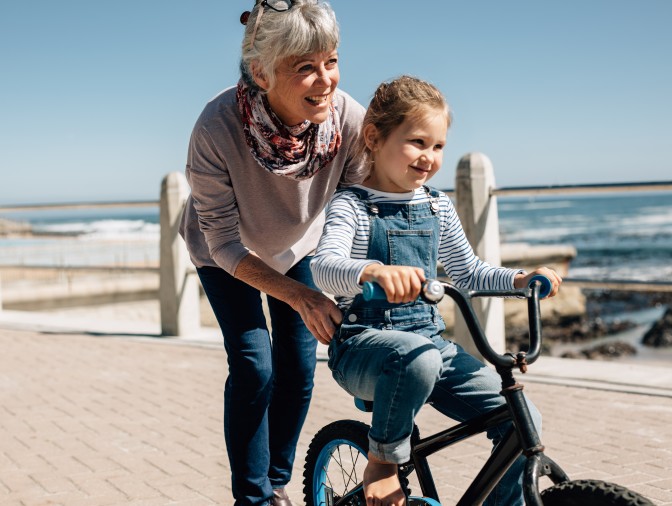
x,y
401,283
523,280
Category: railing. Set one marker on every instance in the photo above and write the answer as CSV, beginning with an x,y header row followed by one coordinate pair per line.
x,y
583,188
614,284
80,205
475,195
178,285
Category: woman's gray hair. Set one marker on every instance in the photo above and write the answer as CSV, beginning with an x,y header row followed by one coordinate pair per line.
x,y
309,26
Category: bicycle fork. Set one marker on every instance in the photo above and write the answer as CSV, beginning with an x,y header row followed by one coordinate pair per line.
x,y
538,464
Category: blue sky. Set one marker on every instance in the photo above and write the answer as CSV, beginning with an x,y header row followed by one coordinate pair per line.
x,y
98,99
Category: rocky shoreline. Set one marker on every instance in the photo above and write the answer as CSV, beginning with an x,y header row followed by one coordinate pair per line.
x,y
601,320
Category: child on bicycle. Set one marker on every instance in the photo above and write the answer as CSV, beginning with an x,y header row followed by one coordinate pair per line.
x,y
392,230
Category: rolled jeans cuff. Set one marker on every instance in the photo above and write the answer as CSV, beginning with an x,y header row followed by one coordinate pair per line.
x,y
398,452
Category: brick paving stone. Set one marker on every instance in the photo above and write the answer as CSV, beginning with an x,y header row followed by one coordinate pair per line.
x,y
654,470
97,421
655,494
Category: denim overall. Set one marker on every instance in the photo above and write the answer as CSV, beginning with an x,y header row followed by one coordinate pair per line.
x,y
395,352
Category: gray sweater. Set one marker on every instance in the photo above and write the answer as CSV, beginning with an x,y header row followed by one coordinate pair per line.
x,y
236,206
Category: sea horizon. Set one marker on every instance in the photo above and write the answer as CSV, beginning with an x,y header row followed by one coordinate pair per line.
x,y
616,236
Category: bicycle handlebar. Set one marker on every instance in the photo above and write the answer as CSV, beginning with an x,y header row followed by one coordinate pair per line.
x,y
433,291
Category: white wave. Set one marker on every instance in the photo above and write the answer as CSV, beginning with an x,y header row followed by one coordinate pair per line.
x,y
639,272
104,229
539,234
533,205
124,229
663,220
69,251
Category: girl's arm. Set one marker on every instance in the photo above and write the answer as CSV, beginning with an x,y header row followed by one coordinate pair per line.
x,y
463,267
341,253
468,271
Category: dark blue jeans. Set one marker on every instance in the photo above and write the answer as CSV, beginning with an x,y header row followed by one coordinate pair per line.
x,y
270,383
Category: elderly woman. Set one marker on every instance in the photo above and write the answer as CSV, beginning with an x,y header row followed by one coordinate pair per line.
x,y
264,158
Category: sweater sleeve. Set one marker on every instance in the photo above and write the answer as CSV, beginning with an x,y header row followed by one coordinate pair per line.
x,y
214,201
463,267
334,271
355,167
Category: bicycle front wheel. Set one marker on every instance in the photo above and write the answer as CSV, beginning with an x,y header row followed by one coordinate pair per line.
x,y
591,493
335,464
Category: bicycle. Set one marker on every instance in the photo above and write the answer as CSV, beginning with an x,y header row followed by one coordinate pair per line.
x,y
337,453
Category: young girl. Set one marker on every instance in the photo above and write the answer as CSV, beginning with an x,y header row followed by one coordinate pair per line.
x,y
392,230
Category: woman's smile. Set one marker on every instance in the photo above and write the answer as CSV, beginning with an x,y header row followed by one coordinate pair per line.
x,y
319,99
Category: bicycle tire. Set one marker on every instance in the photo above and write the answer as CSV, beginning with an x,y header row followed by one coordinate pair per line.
x,y
591,493
335,461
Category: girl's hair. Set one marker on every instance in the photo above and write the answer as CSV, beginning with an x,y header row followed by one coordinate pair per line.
x,y
399,99
309,26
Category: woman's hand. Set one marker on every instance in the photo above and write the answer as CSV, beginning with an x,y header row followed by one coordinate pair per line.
x,y
401,283
320,314
523,280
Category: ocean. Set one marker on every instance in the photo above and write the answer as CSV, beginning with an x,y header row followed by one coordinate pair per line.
x,y
617,236
117,237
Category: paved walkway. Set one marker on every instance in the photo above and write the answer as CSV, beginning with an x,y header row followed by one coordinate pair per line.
x,y
97,414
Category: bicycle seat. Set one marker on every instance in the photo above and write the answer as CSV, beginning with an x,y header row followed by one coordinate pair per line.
x,y
362,405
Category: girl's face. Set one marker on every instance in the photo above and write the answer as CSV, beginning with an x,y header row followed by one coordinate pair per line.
x,y
410,155
304,87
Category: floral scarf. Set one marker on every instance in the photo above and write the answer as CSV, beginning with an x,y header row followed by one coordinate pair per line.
x,y
297,152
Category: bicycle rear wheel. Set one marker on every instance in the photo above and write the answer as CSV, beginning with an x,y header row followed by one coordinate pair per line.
x,y
591,493
335,464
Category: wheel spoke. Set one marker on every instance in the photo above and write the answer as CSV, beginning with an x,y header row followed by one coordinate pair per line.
x,y
343,461
334,464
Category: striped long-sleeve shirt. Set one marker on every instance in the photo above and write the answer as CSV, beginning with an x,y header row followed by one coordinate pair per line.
x,y
341,253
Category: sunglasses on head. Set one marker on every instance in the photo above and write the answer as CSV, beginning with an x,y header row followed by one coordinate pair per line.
x,y
276,5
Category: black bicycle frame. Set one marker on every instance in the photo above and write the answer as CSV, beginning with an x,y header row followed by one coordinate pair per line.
x,y
521,438
504,454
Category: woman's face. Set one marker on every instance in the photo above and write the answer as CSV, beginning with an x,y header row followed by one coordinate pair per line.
x,y
304,87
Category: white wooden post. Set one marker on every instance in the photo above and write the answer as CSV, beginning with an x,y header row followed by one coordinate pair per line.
x,y
178,283
477,209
